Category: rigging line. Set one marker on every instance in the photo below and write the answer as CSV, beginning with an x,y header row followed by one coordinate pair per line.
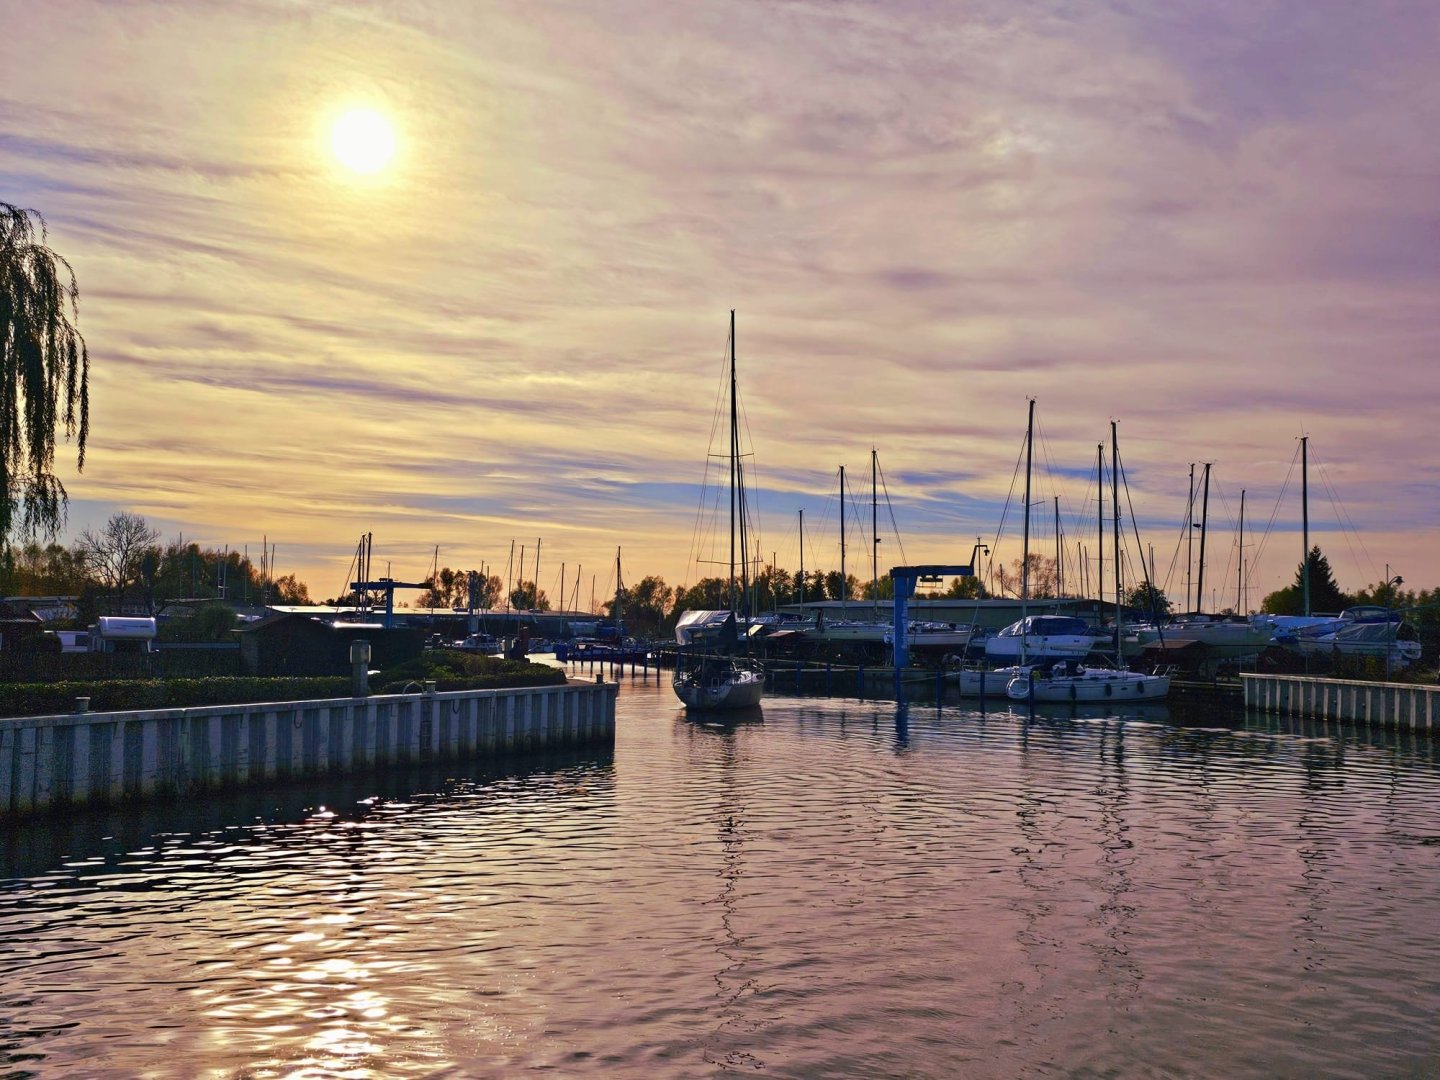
x,y
1134,524
1274,512
1004,516
899,543
1228,573
1343,517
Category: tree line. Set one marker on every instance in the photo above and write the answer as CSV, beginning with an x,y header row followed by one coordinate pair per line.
x,y
124,564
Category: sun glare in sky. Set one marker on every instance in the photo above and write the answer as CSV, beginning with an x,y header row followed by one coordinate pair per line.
x,y
363,140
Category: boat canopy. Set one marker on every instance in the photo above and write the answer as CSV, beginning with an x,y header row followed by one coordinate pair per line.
x,y
1046,626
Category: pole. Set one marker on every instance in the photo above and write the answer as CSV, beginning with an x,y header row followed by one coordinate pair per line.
x,y
1025,549
1115,501
1190,541
1204,521
1240,573
1305,518
734,457
1100,522
844,592
874,529
802,558
1059,577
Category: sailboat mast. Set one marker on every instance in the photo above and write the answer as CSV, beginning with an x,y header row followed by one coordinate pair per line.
x,y
1025,536
802,557
844,592
1305,518
1240,573
874,528
1190,541
1059,575
1115,510
1100,521
1204,521
618,613
734,457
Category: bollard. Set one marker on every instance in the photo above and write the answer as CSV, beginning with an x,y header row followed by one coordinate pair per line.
x,y
82,704
600,677
359,669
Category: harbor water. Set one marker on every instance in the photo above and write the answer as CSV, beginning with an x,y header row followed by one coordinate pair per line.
x,y
828,887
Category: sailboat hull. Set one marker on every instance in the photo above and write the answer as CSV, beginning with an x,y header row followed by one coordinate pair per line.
x,y
1090,686
713,686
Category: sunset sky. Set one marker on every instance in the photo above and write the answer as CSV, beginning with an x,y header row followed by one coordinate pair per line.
x,y
1215,221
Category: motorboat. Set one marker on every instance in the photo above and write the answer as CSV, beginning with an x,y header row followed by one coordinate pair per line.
x,y
1041,637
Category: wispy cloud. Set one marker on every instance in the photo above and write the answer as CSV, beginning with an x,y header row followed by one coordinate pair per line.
x,y
1213,222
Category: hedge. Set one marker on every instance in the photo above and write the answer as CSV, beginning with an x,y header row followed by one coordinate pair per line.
x,y
115,695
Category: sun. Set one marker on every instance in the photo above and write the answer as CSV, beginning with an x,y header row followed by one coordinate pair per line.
x,y
363,141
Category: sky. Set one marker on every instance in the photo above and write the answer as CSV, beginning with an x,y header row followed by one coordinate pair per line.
x,y
1214,222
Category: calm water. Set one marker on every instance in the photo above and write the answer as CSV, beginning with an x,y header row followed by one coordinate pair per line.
x,y
838,889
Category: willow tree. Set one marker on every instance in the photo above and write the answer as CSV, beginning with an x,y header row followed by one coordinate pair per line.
x,y
44,375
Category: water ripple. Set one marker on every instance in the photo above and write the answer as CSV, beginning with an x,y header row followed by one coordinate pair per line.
x,y
839,889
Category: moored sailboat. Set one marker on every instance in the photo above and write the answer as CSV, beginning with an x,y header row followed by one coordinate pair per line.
x,y
1069,680
711,673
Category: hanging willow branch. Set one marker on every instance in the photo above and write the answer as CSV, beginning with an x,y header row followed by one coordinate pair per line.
x,y
44,374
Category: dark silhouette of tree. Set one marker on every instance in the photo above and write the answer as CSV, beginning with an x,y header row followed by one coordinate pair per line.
x,y
44,375
525,598
1325,594
965,588
1148,599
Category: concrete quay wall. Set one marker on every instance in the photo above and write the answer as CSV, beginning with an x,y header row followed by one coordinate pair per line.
x,y
1405,706
47,762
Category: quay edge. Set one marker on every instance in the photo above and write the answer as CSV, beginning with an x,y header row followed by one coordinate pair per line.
x,y
1402,706
82,758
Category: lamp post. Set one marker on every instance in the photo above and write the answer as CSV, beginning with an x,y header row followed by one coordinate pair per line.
x,y
1390,584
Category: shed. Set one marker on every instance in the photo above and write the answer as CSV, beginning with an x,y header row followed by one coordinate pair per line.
x,y
296,644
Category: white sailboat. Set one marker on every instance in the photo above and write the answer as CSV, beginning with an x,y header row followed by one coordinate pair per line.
x,y
1069,680
711,674
976,682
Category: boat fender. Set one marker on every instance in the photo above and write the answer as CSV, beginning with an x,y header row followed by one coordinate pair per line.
x,y
1072,691
1108,689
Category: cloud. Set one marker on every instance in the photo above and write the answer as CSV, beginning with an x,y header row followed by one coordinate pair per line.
x,y
1211,222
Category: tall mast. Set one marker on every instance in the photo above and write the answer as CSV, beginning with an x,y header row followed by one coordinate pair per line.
x,y
1204,521
1059,577
1100,521
1025,546
618,613
1305,517
874,528
1190,541
1115,509
734,457
844,592
802,557
1240,573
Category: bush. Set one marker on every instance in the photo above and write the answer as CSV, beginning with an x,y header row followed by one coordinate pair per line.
x,y
451,670
53,698
463,672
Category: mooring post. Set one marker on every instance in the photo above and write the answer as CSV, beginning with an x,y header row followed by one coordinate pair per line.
x,y
359,669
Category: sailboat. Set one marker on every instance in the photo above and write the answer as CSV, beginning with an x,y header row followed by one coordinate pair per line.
x,y
710,674
1019,641
1070,680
